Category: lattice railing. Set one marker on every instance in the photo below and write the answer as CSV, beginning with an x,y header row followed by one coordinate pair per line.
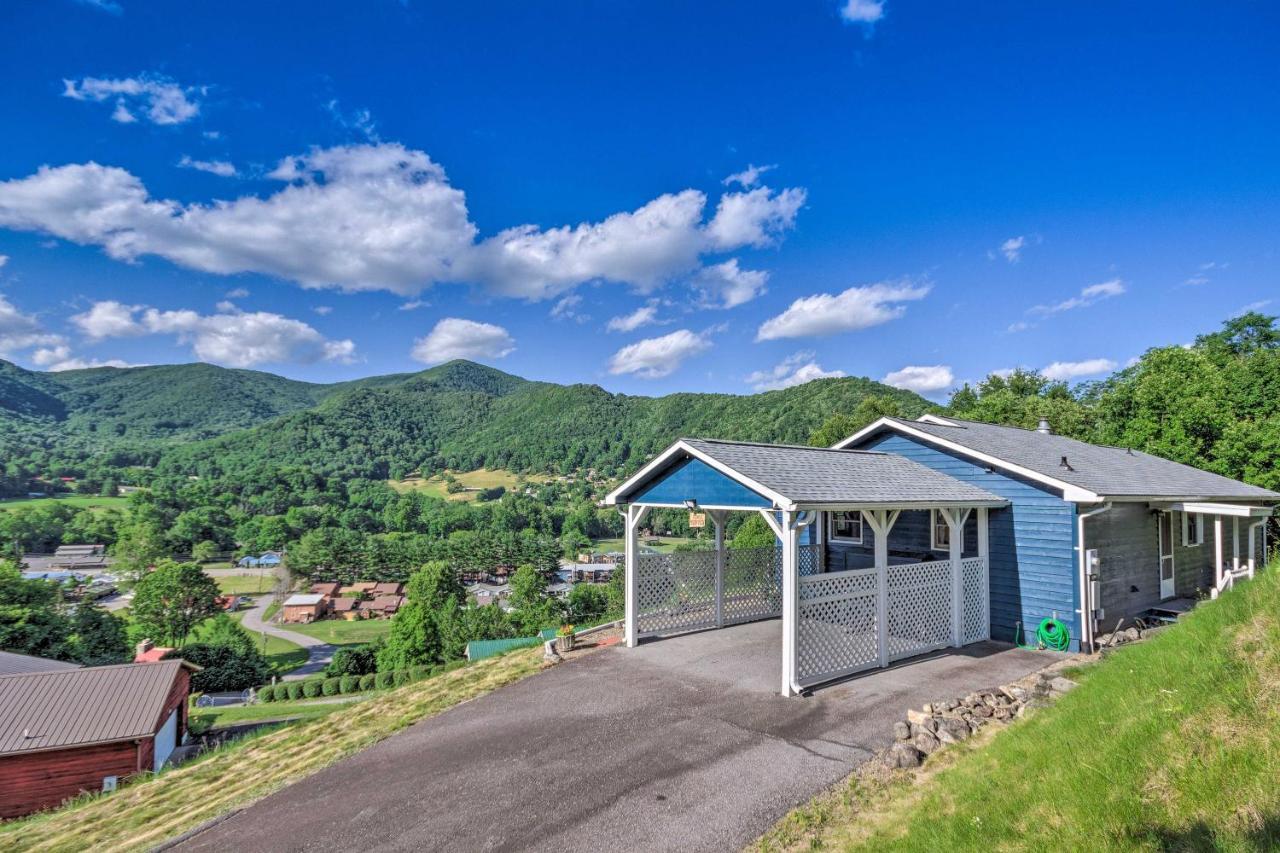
x,y
976,621
752,584
919,608
836,631
675,592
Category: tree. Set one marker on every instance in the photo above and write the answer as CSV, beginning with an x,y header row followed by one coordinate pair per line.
x,y
587,603
433,594
754,533
840,426
534,609
203,552
170,601
98,637
139,545
32,621
353,660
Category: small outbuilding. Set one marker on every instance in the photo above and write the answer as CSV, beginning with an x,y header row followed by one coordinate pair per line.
x,y
304,607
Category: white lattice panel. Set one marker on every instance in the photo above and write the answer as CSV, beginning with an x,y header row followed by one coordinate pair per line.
x,y
836,634
675,592
810,560
752,584
919,608
977,621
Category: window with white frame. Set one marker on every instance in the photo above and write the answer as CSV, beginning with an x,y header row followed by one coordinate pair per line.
x,y
1192,528
846,526
940,531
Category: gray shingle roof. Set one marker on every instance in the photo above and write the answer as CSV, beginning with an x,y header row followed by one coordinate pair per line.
x,y
1107,471
13,663
816,475
75,707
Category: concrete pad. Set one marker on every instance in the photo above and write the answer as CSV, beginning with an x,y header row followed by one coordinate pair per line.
x,y
682,743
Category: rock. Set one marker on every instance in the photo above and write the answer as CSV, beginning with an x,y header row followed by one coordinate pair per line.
x,y
983,711
970,700
930,725
988,700
928,708
1062,685
1131,635
1014,692
1003,714
920,718
903,755
1102,640
952,730
975,724
902,730
946,706
925,742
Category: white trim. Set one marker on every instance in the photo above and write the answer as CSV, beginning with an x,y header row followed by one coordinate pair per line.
x,y
838,506
681,446
1087,605
831,527
1187,540
933,530
1069,492
1210,508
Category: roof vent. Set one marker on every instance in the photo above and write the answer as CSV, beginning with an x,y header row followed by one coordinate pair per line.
x,y
1043,428
1064,464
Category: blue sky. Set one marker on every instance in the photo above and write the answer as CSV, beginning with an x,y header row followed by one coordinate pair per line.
x,y
334,190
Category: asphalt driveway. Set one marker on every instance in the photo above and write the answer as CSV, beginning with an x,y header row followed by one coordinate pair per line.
x,y
678,744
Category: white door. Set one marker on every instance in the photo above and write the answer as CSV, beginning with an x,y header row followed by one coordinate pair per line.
x,y
1165,523
166,740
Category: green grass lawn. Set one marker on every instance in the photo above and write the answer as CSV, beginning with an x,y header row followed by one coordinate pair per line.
x,y
77,501
666,544
435,486
1169,744
283,655
203,719
343,633
249,583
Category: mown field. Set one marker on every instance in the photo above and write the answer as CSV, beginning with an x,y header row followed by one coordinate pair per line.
x,y
1168,744
76,501
340,632
472,481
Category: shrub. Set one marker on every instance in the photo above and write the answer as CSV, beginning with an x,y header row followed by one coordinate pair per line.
x,y
329,687
349,683
419,672
267,693
368,681
385,679
357,660
223,667
295,690
311,688
402,676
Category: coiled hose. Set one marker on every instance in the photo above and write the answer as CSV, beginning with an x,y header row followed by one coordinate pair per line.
x,y
1052,634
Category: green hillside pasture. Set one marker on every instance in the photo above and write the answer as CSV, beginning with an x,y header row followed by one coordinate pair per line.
x,y
78,501
472,482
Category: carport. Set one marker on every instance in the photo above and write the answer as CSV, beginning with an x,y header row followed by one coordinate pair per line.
x,y
834,623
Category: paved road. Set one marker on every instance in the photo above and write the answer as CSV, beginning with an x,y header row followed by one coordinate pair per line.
x,y
319,653
680,744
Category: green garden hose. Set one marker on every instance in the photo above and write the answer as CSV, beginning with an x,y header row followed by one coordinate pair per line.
x,y
1052,634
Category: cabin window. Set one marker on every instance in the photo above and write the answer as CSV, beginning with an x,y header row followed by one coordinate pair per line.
x,y
846,526
941,532
1192,528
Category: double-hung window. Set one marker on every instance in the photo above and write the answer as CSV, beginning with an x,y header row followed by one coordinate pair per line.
x,y
940,531
1192,529
846,526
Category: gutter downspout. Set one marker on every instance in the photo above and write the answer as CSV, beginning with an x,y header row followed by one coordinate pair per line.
x,y
1086,606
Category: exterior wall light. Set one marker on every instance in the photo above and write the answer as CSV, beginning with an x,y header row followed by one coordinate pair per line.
x,y
691,504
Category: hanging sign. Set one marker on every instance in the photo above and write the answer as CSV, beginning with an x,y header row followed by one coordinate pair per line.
x,y
697,520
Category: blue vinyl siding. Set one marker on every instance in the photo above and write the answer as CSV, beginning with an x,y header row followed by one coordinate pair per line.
x,y
693,478
1033,564
908,542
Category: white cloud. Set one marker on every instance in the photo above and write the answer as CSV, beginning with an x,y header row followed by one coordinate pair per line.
x,y
1088,296
1019,326
654,358
796,369
753,218
230,337
383,217
1197,280
453,338
58,358
108,6
1061,371
921,378
567,309
214,167
748,177
160,99
20,331
4,259
642,316
726,285
323,310
856,308
862,11
1012,249
237,293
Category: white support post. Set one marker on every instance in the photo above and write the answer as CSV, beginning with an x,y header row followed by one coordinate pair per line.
x,y
984,554
633,518
1253,547
718,518
1217,555
955,524
790,574
1235,543
881,523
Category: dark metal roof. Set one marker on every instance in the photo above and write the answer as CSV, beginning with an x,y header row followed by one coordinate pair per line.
x,y
77,707
1106,471
817,475
13,663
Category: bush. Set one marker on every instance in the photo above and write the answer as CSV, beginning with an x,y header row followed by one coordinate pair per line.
x,y
418,672
267,693
312,688
329,687
295,690
224,668
349,684
385,679
368,681
402,676
358,660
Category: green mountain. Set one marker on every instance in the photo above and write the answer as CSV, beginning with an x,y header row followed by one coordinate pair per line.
x,y
202,419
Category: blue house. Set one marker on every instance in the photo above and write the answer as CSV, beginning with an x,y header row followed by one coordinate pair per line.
x,y
913,536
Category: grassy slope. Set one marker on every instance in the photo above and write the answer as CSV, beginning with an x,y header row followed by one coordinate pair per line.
x,y
249,583
142,815
436,486
1170,744
340,632
76,501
